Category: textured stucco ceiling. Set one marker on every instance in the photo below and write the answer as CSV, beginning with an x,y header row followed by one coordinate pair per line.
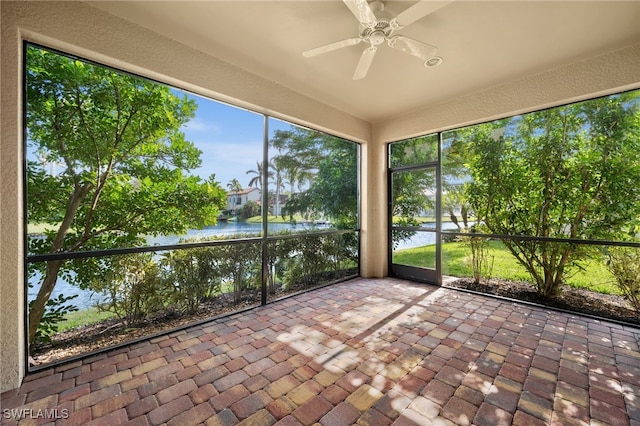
x,y
483,43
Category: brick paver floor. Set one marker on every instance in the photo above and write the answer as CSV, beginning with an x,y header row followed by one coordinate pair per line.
x,y
367,352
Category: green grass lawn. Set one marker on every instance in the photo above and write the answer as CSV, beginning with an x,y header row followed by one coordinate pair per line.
x,y
456,256
275,219
83,317
39,228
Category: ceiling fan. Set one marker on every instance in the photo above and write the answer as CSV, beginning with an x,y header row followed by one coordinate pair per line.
x,y
377,26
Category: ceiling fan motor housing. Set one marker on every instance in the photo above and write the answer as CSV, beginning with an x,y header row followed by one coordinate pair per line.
x,y
378,34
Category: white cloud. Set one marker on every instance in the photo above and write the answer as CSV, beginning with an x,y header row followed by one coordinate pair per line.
x,y
201,125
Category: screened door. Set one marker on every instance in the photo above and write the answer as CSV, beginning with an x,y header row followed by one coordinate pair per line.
x,y
414,210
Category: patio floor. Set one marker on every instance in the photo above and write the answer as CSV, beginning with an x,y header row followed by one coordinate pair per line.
x,y
366,351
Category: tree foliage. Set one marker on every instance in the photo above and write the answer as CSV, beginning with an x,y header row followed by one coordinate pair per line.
x,y
235,188
131,285
249,209
323,169
568,172
256,180
123,158
624,265
454,175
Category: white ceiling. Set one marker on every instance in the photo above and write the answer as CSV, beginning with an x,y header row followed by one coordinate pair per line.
x,y
483,43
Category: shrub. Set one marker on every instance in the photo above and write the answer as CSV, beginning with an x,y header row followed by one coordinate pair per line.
x,y
138,285
239,265
624,264
133,287
311,258
481,261
250,209
191,275
206,272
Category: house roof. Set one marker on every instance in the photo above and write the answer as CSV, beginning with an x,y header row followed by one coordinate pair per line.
x,y
243,192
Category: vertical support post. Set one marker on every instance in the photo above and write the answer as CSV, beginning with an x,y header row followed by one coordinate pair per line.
x,y
389,211
439,212
373,224
265,210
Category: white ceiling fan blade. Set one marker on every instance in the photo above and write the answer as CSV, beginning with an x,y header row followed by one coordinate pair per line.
x,y
419,10
331,46
364,63
362,11
413,47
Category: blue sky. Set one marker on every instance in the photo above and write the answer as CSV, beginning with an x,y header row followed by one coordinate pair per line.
x,y
230,139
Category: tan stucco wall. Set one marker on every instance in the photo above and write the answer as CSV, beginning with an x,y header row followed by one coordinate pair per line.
x,y
11,295
373,214
80,29
605,74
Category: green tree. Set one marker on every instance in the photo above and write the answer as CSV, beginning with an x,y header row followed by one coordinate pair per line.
x,y
568,172
303,148
235,188
455,157
323,164
124,163
249,209
454,201
256,180
334,189
415,151
277,167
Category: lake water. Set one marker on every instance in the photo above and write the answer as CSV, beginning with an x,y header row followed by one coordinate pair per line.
x,y
87,298
229,228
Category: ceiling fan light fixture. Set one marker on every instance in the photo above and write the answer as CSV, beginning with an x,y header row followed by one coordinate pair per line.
x,y
377,26
433,62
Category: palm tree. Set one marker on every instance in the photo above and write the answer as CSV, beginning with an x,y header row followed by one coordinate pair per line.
x,y
295,172
293,175
234,187
276,165
257,179
455,200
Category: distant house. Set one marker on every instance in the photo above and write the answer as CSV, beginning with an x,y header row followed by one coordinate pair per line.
x,y
235,200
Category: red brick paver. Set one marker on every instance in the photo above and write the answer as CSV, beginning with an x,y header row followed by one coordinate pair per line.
x,y
367,352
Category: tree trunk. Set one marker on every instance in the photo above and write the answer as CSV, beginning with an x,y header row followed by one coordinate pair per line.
x,y
36,310
464,212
